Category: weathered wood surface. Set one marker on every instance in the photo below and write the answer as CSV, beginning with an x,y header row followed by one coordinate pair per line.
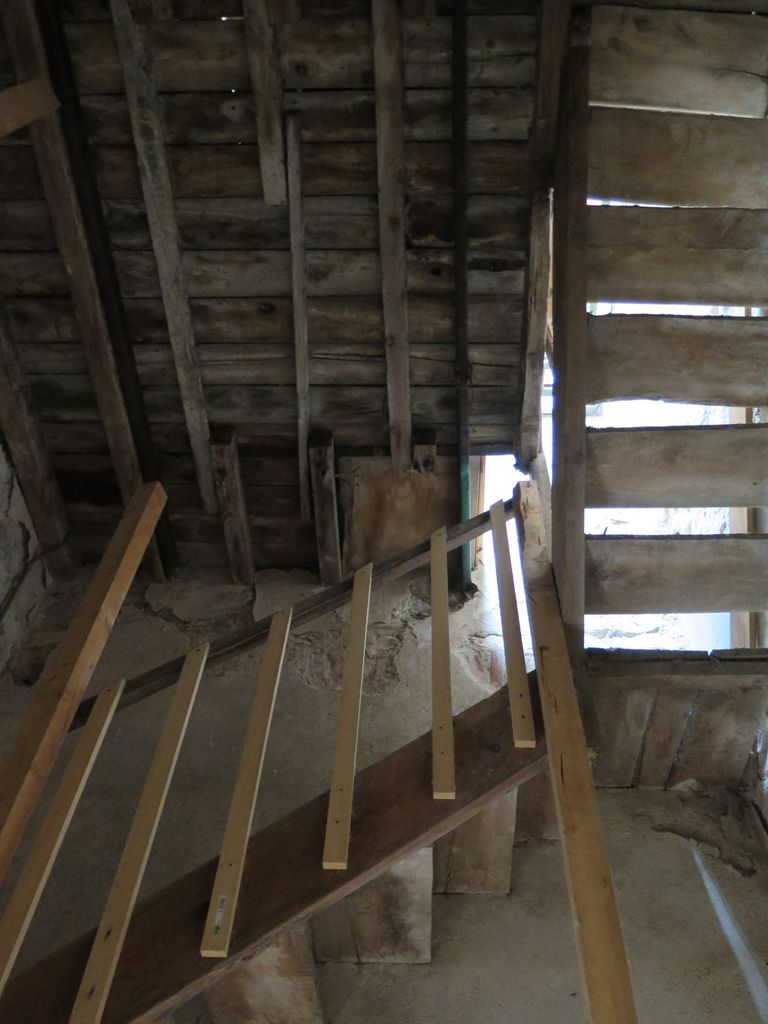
x,y
267,84
715,360
537,322
277,985
22,104
675,671
708,63
389,920
644,156
322,464
477,858
605,971
618,720
710,257
668,467
92,10
232,504
284,881
30,757
676,573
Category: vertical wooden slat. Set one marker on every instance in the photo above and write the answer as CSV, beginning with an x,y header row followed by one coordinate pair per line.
x,y
553,23
69,669
20,105
110,935
336,849
539,280
37,868
229,873
146,123
523,726
234,513
607,984
323,473
37,48
570,342
443,773
267,80
23,434
299,293
388,70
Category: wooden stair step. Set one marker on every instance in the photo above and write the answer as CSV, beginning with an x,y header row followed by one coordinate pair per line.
x,y
681,467
712,360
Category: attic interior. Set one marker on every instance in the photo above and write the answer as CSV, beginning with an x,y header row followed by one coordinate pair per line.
x,y
318,702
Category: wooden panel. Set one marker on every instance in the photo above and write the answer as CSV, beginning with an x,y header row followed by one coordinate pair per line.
x,y
336,848
710,257
716,360
232,504
36,871
69,669
618,720
267,84
605,972
668,467
217,934
322,461
443,771
20,105
663,736
679,60
642,156
676,573
477,858
161,966
387,921
94,989
537,324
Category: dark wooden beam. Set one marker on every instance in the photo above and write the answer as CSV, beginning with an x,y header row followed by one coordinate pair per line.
x,y
144,109
266,77
307,610
537,315
20,105
23,435
388,68
38,48
553,24
322,460
231,498
672,671
284,881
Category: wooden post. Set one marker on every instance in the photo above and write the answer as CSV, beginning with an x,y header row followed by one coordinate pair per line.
x,y
146,123
570,342
267,81
607,984
299,293
539,284
110,935
388,68
387,921
231,497
443,770
226,887
323,473
38,48
277,986
20,105
69,670
336,849
24,436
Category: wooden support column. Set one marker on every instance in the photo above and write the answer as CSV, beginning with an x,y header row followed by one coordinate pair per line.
x,y
322,461
69,670
38,49
387,921
20,105
267,81
477,858
276,986
443,767
570,344
539,284
388,68
146,122
299,293
461,265
605,971
231,497
23,434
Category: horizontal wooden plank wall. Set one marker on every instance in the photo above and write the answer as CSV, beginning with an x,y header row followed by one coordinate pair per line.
x,y
667,467
676,573
236,248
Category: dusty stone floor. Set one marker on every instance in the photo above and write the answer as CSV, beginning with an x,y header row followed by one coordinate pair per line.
x,y
495,960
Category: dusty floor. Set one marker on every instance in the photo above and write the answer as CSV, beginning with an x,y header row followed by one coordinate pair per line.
x,y
494,959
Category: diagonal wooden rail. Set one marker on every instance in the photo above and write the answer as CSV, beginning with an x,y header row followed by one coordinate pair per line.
x,y
284,880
